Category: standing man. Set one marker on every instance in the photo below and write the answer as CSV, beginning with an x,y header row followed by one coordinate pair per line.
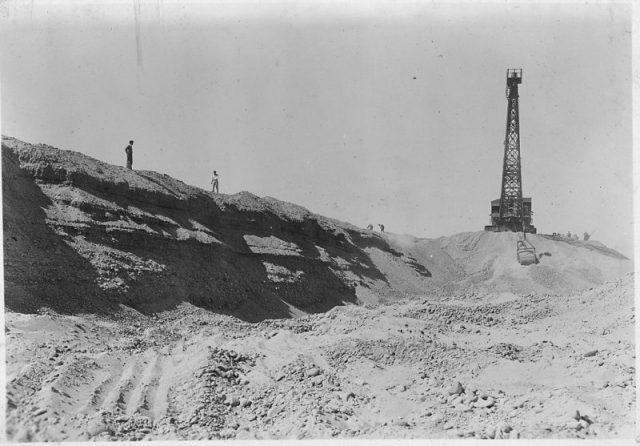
x,y
129,151
214,182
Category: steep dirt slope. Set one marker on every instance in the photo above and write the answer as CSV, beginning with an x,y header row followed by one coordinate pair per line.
x,y
83,236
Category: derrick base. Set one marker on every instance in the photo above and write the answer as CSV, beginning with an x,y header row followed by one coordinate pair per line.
x,y
511,223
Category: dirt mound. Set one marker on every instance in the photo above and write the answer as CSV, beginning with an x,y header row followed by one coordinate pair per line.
x,y
487,261
81,236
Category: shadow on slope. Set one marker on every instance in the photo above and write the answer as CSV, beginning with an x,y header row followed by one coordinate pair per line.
x,y
40,270
98,236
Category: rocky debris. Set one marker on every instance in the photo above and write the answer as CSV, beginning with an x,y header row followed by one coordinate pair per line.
x,y
455,389
225,364
519,403
487,316
223,382
484,402
503,429
508,351
522,310
383,352
577,416
136,427
96,426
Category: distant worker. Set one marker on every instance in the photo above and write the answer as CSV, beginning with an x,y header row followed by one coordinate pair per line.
x,y
381,227
587,236
370,227
569,234
129,151
214,182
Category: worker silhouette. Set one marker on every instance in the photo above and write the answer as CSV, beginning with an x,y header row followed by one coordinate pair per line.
x,y
129,151
214,182
381,227
370,227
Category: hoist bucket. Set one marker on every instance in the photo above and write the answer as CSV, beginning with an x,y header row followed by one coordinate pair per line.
x,y
526,253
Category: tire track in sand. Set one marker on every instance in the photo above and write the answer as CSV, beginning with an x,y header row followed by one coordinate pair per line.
x,y
119,396
145,393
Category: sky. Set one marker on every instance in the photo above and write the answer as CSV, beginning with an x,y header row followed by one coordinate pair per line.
x,y
368,112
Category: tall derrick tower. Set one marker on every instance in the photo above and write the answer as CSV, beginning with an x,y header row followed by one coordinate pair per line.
x,y
512,212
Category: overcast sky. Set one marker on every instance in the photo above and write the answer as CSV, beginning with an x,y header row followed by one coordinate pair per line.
x,y
367,112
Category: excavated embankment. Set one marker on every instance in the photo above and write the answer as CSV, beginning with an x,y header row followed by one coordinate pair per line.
x,y
81,235
491,349
84,236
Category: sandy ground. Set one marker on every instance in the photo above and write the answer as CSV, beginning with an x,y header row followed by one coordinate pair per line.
x,y
139,307
498,366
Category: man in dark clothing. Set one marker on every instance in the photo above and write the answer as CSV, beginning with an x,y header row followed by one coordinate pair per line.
x,y
214,182
129,151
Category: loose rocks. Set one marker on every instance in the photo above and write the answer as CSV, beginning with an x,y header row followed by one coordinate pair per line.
x,y
485,402
455,389
96,426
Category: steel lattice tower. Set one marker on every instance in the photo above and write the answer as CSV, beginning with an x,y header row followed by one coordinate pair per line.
x,y
512,212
